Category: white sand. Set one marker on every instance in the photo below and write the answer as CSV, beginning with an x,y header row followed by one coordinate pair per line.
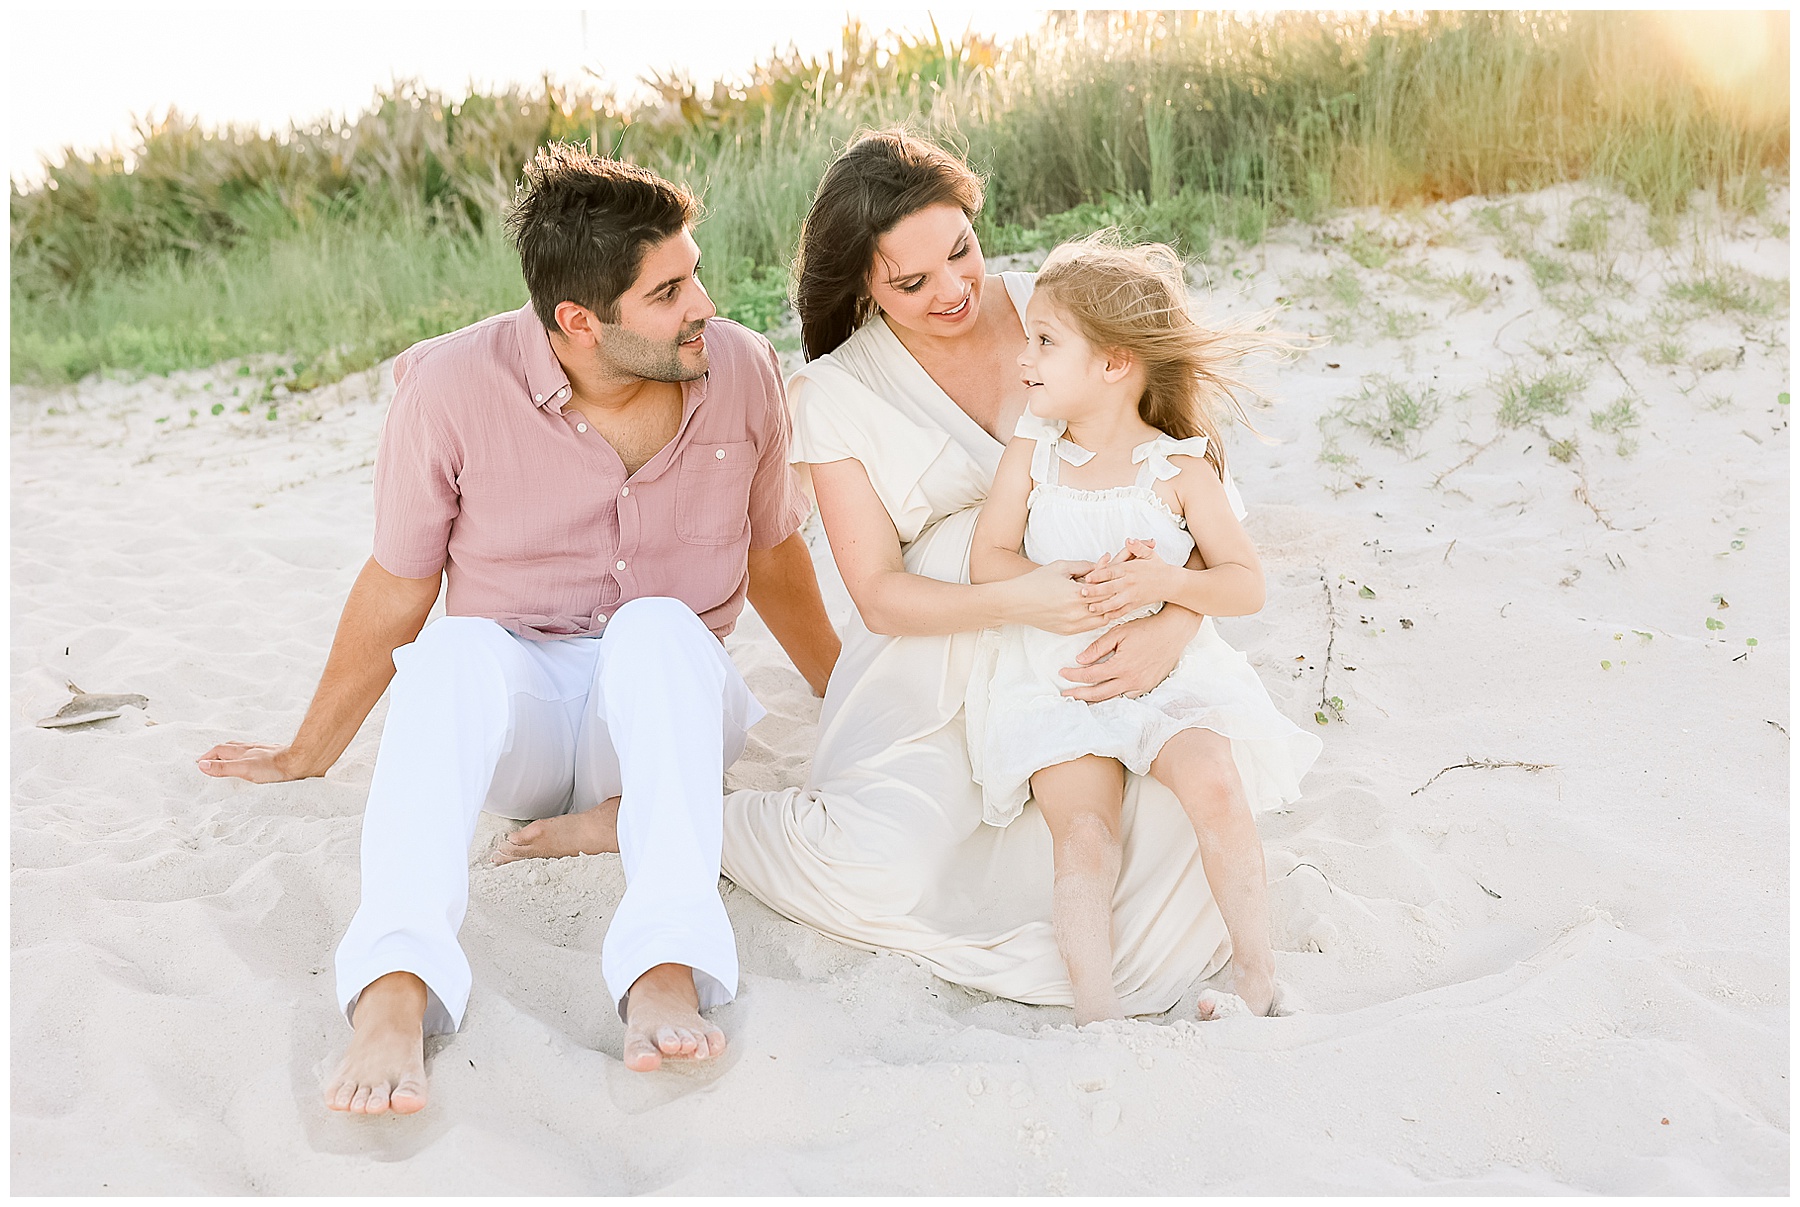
x,y
1574,979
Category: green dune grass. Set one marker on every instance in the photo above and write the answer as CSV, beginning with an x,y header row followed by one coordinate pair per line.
x,y
341,242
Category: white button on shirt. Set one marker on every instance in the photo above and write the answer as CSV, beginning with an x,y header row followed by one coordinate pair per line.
x,y
621,566
624,490
720,454
581,427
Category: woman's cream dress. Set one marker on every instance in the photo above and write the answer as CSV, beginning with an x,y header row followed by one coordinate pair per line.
x,y
884,848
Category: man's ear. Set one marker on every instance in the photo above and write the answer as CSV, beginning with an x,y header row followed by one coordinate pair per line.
x,y
579,325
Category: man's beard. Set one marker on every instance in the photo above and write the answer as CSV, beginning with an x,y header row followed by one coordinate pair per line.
x,y
627,353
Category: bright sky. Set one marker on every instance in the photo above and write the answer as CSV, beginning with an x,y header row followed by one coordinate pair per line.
x,y
80,74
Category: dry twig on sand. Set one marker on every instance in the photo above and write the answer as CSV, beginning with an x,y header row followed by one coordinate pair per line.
x,y
1601,348
1509,322
1315,868
1483,765
1583,494
1330,643
1464,463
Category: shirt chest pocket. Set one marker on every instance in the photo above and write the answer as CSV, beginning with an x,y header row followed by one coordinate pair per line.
x,y
712,492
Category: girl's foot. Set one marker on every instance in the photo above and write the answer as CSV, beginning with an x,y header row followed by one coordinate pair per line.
x,y
1255,996
1093,1011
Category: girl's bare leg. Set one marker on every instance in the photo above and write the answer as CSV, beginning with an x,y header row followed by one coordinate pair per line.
x,y
1196,765
1081,800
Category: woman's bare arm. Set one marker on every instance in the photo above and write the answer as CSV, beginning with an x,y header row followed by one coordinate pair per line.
x,y
785,593
895,602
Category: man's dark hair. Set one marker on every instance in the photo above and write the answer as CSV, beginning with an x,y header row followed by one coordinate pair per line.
x,y
582,225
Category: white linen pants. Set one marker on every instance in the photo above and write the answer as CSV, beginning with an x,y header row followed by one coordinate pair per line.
x,y
653,712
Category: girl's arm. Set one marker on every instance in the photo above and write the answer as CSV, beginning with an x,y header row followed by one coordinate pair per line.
x,y
895,602
1231,584
1000,531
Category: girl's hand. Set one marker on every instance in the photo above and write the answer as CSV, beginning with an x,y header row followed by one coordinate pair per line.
x,y
1136,579
1133,658
1050,598
1134,548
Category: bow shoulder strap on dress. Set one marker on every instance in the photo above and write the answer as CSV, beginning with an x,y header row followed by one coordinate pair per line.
x,y
1154,457
1051,447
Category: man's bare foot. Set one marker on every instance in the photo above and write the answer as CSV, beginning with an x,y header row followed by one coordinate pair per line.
x,y
593,832
1255,994
662,1019
384,1068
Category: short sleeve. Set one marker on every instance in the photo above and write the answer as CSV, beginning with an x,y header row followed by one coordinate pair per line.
x,y
837,418
777,504
416,496
1234,498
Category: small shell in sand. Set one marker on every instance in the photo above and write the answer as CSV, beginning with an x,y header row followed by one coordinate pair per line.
x,y
86,707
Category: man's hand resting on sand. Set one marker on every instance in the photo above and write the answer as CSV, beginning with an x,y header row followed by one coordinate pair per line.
x,y
383,613
258,762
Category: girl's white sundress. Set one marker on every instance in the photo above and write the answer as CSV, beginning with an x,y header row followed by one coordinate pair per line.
x,y
1018,720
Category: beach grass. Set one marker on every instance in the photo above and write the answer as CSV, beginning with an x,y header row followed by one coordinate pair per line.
x,y
1528,397
341,241
1392,412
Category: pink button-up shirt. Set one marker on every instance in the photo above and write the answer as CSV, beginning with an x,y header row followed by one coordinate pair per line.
x,y
481,472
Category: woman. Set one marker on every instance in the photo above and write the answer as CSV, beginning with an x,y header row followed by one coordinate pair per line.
x,y
900,417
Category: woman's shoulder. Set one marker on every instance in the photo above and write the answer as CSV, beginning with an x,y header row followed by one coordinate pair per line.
x,y
844,377
855,356
840,409
1019,284
1019,287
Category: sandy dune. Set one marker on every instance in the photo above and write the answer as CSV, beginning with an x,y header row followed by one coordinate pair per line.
x,y
1564,979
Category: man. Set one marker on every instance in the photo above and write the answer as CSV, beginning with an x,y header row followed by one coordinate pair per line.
x,y
601,504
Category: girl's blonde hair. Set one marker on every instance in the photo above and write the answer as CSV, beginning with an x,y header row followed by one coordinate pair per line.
x,y
1134,300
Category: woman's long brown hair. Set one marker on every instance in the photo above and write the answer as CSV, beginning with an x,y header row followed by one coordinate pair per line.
x,y
880,179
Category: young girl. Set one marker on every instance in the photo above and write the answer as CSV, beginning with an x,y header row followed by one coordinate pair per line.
x,y
1117,462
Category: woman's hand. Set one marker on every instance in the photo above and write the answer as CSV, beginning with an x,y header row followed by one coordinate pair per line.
x,y
1132,658
1050,598
1136,579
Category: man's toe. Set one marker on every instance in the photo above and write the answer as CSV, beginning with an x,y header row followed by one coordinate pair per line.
x,y
408,1097
640,1054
